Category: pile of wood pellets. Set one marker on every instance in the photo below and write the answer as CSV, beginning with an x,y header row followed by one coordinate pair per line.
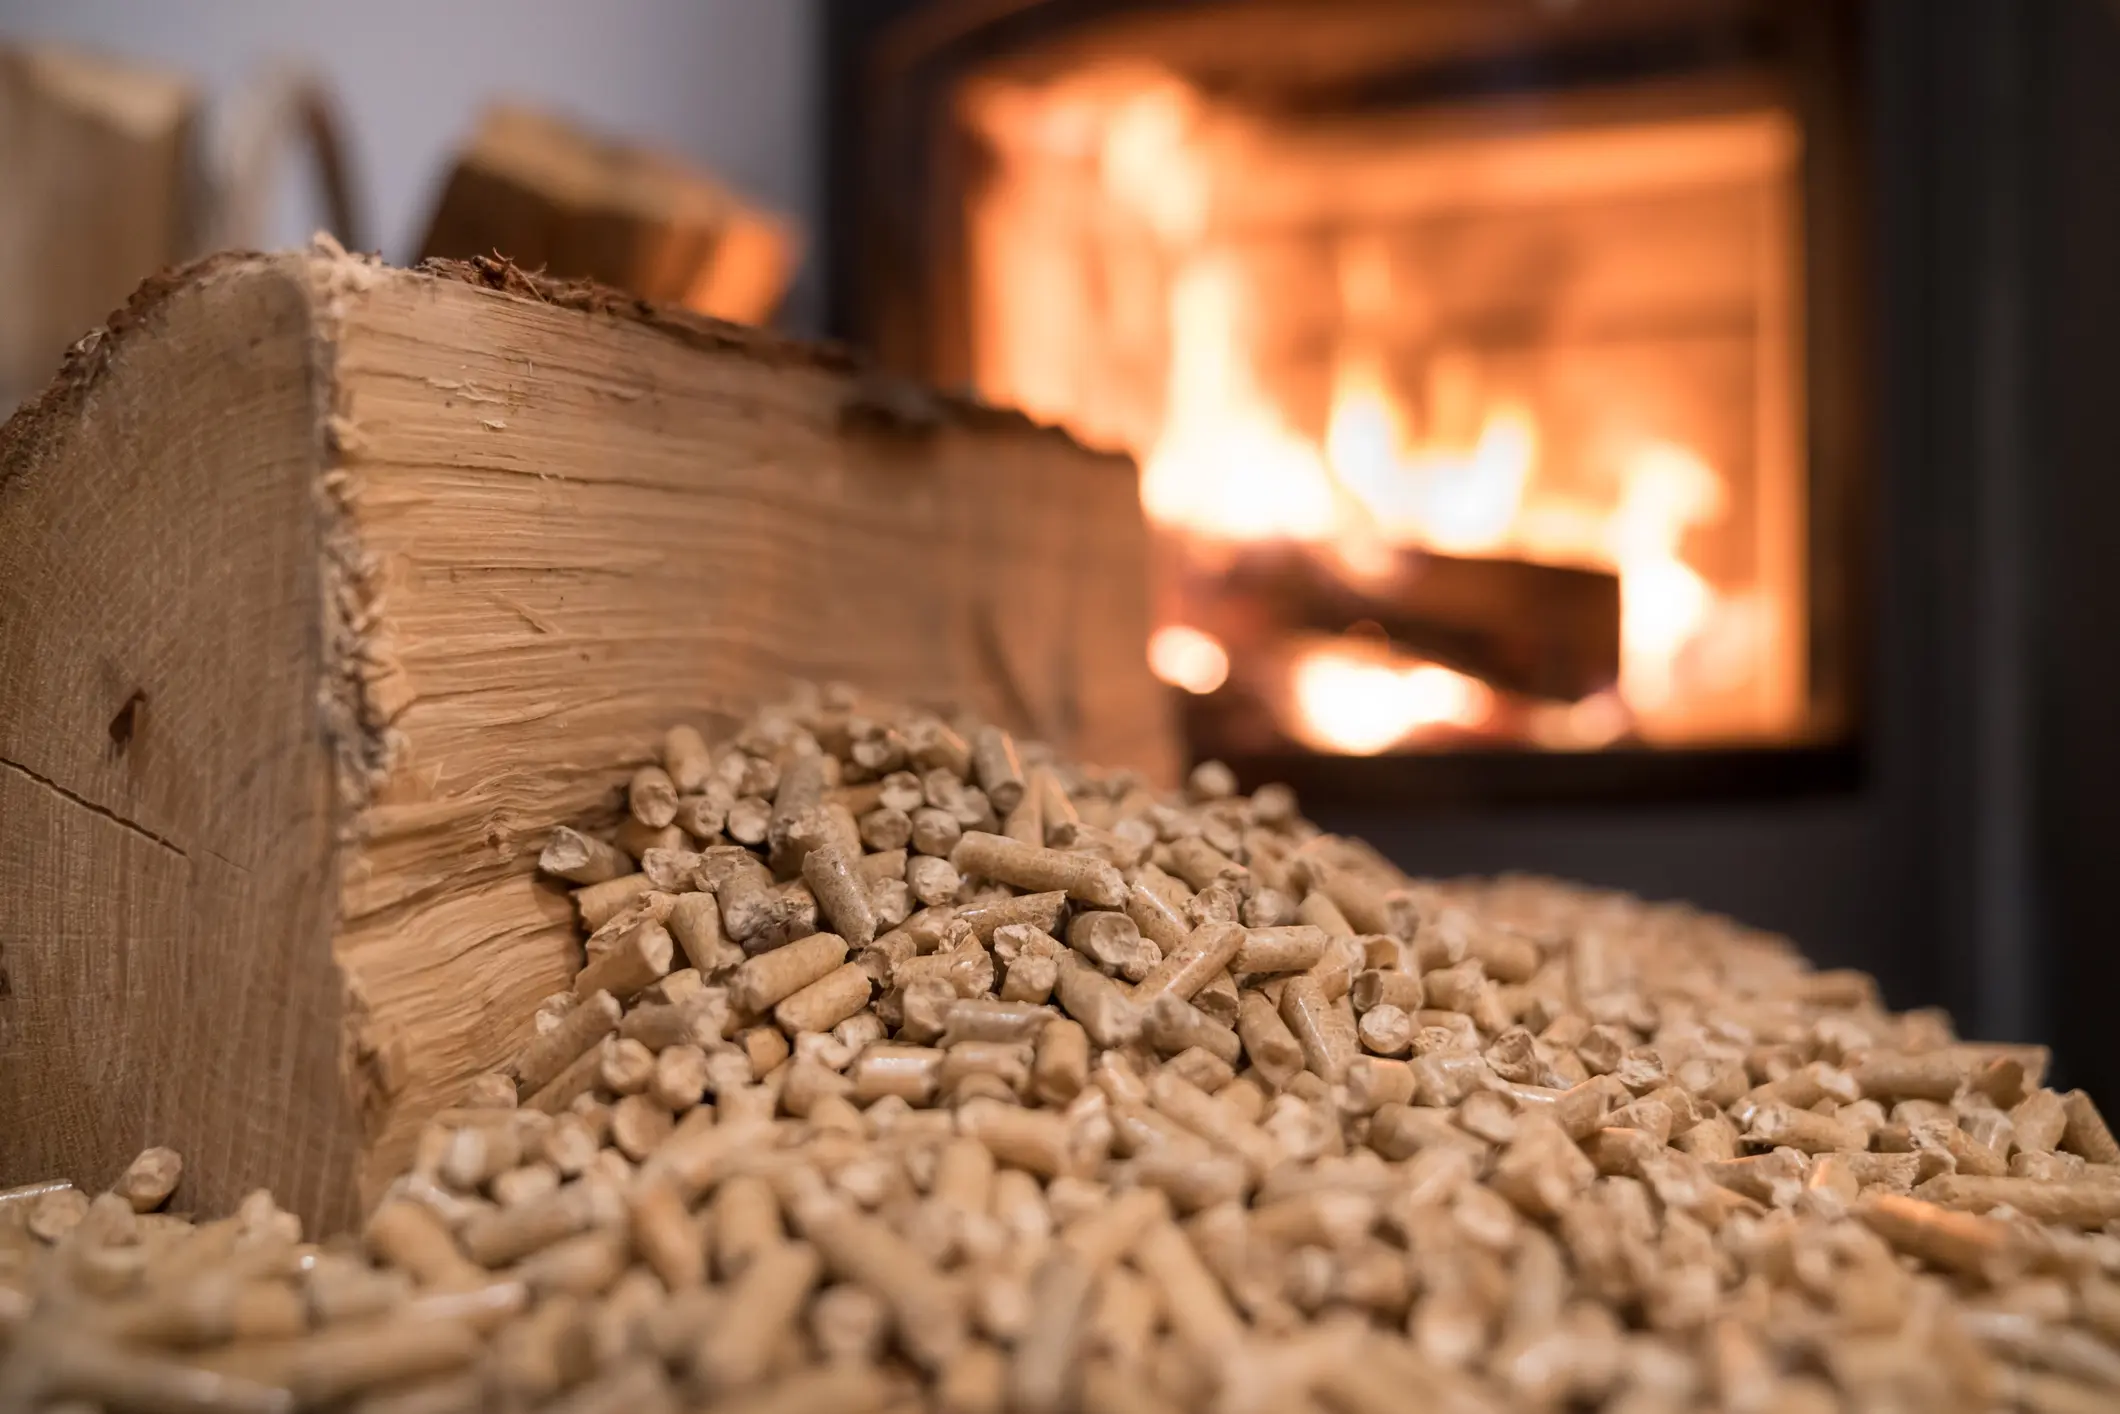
x,y
910,1068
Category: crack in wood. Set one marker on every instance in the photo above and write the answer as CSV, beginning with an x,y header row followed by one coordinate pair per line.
x,y
89,805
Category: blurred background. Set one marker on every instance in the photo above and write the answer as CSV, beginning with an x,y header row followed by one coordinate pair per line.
x,y
195,114
1662,442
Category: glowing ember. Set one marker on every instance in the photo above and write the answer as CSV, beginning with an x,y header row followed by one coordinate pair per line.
x,y
1185,657
1351,701
1598,720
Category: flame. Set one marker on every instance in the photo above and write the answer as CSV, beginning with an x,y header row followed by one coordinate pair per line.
x,y
1145,163
1663,600
1185,657
1460,500
1354,701
1226,466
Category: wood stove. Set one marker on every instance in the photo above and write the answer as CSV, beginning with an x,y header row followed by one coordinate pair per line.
x,y
1945,810
1486,360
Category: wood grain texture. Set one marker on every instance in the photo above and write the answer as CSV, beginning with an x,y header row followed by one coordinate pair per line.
x,y
510,535
164,916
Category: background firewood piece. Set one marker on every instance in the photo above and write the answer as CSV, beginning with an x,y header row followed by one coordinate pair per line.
x,y
550,196
326,590
94,167
1547,630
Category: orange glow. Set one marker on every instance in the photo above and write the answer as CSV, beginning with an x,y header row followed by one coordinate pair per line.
x,y
1459,500
1185,657
1598,720
1663,600
1244,309
1359,703
1226,466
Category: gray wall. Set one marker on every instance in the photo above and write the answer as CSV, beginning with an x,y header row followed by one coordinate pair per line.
x,y
729,83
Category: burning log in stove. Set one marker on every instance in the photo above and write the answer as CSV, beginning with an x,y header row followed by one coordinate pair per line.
x,y
1548,631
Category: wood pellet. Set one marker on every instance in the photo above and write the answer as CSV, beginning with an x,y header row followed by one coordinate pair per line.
x,y
909,1067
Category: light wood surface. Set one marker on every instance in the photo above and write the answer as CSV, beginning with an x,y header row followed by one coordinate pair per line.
x,y
402,570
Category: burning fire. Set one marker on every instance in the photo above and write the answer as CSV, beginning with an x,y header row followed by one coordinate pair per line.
x,y
1111,236
1461,501
1228,467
